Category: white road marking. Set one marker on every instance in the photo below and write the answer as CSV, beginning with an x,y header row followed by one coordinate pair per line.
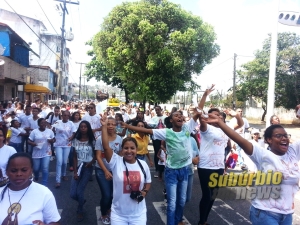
x,y
98,215
161,209
224,205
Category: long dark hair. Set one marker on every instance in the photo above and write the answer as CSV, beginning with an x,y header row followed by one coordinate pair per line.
x,y
16,155
90,133
73,116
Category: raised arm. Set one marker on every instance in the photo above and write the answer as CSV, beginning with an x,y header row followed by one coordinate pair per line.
x,y
137,129
108,152
204,96
245,144
239,119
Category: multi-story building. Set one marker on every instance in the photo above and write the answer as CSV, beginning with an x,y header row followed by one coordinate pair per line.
x,y
48,48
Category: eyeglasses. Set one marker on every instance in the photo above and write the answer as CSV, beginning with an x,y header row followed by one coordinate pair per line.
x,y
280,136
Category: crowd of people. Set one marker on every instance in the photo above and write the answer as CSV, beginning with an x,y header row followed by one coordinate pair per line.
x,y
115,145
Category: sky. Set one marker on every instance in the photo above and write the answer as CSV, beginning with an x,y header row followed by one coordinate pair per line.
x,y
241,27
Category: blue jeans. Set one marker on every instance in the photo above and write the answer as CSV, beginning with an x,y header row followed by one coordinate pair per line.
x,y
176,181
78,187
71,157
240,158
62,154
141,157
189,187
258,217
106,188
43,164
17,146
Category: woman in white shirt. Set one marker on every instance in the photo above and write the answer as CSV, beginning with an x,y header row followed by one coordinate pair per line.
x,y
41,140
84,157
64,133
137,177
23,201
76,119
17,133
282,160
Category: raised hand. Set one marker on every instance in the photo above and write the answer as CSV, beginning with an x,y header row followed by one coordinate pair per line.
x,y
209,90
103,120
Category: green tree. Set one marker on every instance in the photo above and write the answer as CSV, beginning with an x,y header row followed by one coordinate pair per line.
x,y
151,48
253,78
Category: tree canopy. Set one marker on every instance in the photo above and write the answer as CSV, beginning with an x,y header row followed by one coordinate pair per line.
x,y
255,74
151,49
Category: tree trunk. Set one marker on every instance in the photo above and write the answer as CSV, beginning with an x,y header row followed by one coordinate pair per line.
x,y
264,114
144,104
126,96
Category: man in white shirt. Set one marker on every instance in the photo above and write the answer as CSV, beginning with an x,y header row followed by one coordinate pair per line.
x,y
25,124
94,120
124,114
241,131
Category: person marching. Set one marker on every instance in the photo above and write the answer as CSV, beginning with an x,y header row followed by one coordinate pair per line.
x,y
102,170
84,157
178,146
131,181
64,133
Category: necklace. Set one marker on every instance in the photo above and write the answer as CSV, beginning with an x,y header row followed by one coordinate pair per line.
x,y
14,208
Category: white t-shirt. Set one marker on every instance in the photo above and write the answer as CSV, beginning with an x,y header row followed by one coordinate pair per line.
x,y
84,151
212,148
43,147
287,164
24,120
242,129
52,119
77,124
15,137
33,123
121,193
95,123
63,132
115,145
178,144
19,112
5,152
32,207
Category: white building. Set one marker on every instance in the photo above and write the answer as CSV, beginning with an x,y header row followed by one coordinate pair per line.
x,y
46,45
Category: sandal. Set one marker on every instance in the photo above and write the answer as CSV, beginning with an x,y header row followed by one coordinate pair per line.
x,y
57,185
80,217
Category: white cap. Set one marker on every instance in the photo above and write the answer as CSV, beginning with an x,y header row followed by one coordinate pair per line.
x,y
255,131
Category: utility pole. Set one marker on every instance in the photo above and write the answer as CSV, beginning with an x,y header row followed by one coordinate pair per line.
x,y
62,67
80,78
234,78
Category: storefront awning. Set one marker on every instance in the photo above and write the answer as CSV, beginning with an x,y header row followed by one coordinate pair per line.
x,y
36,88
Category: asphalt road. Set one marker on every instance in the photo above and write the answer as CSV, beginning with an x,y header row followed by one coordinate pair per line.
x,y
224,212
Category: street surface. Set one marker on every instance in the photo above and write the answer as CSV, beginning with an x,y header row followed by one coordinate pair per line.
x,y
224,212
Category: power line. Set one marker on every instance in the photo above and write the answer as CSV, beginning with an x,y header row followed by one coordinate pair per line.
x,y
47,17
31,28
247,56
216,65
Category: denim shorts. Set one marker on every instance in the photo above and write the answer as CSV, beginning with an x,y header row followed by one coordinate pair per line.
x,y
258,217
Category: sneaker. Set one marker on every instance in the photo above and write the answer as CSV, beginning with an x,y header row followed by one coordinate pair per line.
x,y
105,220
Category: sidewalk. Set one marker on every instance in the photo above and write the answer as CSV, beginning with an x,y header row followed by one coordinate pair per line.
x,y
294,130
